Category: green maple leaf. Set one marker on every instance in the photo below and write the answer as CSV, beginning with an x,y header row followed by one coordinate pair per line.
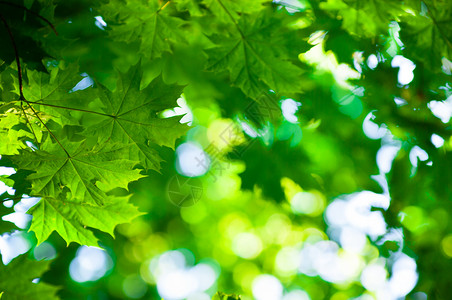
x,y
51,93
365,18
126,115
16,280
71,174
71,219
146,21
225,11
430,31
131,116
256,57
74,171
16,124
51,86
228,11
193,6
13,133
8,90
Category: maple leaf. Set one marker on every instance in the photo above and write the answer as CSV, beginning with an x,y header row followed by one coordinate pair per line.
x,y
53,93
17,126
8,90
222,11
365,18
13,133
193,6
16,280
52,86
231,10
71,219
126,115
131,116
254,58
429,31
74,171
154,28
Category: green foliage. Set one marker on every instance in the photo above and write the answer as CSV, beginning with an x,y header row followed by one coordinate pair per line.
x,y
85,94
131,116
157,30
70,218
365,18
71,171
255,54
429,31
16,280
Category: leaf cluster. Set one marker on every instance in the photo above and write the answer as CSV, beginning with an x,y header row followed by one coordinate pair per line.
x,y
78,143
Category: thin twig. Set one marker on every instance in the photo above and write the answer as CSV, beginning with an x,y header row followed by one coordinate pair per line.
x,y
21,97
15,198
47,128
16,53
28,121
32,12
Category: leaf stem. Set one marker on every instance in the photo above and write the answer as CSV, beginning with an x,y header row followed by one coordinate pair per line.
x,y
28,121
70,108
16,53
21,94
14,198
47,128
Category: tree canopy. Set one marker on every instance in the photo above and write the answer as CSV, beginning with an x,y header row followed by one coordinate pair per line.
x,y
190,149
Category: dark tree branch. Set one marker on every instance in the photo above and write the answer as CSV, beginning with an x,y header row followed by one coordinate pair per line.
x,y
31,12
16,53
21,94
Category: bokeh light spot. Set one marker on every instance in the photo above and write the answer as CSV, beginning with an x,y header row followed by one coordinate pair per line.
x,y
308,203
267,287
90,264
247,245
446,245
44,251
